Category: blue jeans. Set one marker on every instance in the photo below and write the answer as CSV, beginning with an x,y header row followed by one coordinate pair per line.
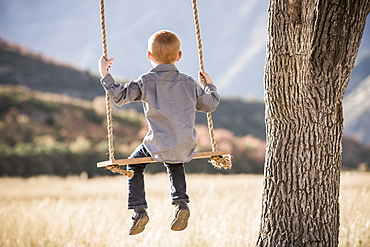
x,y
136,186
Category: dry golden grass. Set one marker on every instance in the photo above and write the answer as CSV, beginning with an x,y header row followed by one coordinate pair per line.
x,y
225,211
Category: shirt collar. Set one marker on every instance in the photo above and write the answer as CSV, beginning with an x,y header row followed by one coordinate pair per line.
x,y
164,67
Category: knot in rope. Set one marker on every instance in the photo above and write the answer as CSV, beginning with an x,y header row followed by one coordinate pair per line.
x,y
118,169
221,161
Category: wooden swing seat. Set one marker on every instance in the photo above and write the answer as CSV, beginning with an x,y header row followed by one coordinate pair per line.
x,y
199,155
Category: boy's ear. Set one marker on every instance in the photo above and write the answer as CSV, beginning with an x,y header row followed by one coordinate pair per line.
x,y
179,56
149,56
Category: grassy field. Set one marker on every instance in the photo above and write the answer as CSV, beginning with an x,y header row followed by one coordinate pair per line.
x,y
225,211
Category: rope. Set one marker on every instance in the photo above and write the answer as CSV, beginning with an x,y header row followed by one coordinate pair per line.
x,y
108,106
217,161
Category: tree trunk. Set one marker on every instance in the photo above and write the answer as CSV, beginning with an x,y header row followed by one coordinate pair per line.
x,y
311,50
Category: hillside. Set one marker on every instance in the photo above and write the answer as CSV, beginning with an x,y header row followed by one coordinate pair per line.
x,y
19,66
55,133
51,132
44,133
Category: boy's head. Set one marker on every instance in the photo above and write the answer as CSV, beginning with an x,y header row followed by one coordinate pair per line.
x,y
164,47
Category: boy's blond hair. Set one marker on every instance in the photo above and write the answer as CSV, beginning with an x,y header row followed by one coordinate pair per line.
x,y
164,46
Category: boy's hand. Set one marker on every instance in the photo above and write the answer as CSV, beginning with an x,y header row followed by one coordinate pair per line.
x,y
104,65
204,77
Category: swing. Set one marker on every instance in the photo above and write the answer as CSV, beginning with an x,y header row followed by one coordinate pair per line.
x,y
217,158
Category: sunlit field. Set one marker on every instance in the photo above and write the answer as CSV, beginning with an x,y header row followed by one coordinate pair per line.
x,y
225,211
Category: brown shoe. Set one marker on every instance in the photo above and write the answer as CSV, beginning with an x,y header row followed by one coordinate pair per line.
x,y
182,214
139,219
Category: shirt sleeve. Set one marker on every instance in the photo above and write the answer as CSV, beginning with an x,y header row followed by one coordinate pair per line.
x,y
122,94
208,99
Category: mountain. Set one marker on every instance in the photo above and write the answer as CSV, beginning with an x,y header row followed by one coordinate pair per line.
x,y
356,103
360,72
357,112
54,133
233,36
19,66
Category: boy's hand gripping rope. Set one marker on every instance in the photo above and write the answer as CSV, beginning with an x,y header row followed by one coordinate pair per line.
x,y
218,161
113,168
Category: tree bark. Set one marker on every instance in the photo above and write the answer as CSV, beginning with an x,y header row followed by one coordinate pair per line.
x,y
311,51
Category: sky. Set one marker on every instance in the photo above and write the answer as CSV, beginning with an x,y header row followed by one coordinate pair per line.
x,y
233,35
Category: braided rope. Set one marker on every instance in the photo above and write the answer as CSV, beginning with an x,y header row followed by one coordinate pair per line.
x,y
108,105
217,161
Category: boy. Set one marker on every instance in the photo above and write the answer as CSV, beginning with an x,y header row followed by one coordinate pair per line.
x,y
170,100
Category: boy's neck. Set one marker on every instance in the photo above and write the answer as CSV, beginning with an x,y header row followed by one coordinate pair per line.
x,y
154,64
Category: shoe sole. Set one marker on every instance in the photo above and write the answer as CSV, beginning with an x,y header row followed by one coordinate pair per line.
x,y
140,226
181,221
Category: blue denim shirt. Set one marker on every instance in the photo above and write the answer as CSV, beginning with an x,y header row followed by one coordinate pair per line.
x,y
170,100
